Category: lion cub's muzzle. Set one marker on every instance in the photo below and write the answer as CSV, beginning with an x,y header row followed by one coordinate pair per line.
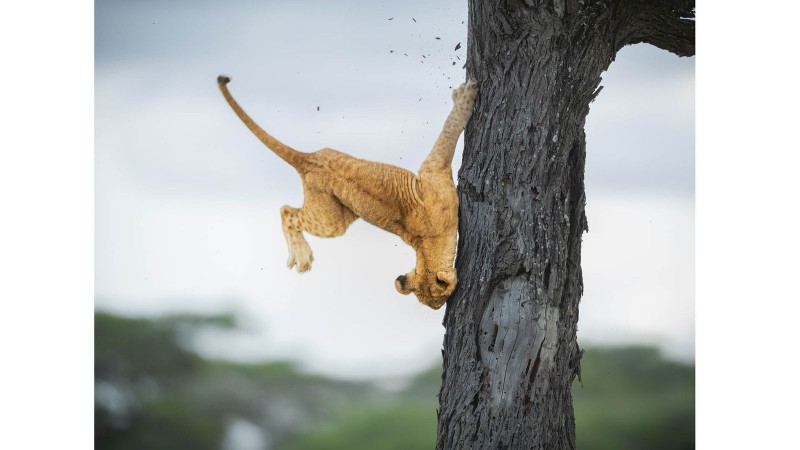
x,y
400,284
433,294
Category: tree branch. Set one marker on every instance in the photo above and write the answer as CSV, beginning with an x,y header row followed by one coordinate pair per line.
x,y
666,24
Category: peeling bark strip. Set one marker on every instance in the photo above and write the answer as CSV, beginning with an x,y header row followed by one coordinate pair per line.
x,y
510,351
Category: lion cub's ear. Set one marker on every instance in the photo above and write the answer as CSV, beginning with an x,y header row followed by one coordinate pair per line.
x,y
446,277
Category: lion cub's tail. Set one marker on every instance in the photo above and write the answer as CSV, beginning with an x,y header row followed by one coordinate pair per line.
x,y
297,159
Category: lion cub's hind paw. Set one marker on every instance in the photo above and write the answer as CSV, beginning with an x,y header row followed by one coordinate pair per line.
x,y
300,256
304,266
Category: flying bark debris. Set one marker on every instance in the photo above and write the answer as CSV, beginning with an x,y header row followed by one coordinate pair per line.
x,y
415,20
437,38
458,46
317,108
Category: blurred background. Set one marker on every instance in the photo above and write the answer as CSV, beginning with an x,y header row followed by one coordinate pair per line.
x,y
203,338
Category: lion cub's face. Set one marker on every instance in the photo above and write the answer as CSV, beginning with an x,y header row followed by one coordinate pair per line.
x,y
431,289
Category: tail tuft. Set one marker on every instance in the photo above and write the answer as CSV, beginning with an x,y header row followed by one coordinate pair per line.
x,y
222,79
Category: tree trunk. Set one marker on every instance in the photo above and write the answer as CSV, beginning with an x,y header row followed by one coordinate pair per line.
x,y
510,350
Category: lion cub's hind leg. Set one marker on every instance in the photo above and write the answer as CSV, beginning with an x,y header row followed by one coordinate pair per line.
x,y
299,251
322,215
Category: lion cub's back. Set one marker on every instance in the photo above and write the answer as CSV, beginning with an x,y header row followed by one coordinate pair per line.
x,y
379,193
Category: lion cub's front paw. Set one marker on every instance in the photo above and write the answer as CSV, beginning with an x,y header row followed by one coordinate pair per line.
x,y
464,97
465,94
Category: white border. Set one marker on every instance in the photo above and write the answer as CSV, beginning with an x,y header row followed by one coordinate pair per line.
x,y
47,229
747,239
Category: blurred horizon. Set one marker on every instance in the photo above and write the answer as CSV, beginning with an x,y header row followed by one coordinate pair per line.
x,y
154,390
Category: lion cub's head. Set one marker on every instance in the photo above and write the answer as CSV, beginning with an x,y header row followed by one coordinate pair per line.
x,y
432,289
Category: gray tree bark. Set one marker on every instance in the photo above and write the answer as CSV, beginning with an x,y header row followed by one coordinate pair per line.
x,y
510,350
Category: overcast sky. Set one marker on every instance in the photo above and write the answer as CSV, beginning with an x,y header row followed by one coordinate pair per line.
x,y
187,199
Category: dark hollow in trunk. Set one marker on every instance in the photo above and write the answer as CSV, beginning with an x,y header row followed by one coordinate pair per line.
x,y
510,350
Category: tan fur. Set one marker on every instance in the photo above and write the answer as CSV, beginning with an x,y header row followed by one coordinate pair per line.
x,y
422,209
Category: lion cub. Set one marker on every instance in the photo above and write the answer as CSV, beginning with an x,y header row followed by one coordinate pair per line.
x,y
422,209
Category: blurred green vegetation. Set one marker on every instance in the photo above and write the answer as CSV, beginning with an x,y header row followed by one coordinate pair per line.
x,y
632,398
153,392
